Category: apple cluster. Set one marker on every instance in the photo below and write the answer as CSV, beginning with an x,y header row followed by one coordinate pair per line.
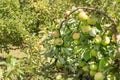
x,y
84,45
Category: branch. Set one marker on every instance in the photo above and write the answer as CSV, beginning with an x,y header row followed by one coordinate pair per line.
x,y
113,25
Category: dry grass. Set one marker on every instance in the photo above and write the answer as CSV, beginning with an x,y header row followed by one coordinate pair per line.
x,y
15,53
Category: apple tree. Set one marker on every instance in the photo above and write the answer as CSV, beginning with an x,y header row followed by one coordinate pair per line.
x,y
84,46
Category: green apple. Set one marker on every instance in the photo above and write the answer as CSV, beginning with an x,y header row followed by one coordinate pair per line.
x,y
55,33
83,16
76,35
106,40
58,41
59,77
93,67
85,29
82,63
99,76
67,44
69,79
93,53
59,64
85,68
97,39
111,77
92,20
92,73
76,42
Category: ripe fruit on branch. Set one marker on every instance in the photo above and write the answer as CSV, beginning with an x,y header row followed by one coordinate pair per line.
x,y
97,39
93,53
85,29
92,20
106,40
111,77
92,73
83,16
58,41
55,33
99,76
59,77
85,68
67,13
59,64
82,63
76,35
93,67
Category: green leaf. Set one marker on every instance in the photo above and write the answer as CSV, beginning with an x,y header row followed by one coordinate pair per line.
x,y
98,25
118,0
61,59
1,73
87,56
102,64
3,63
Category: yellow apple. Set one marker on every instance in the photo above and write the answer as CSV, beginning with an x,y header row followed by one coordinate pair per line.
x,y
55,33
97,39
58,41
83,16
85,29
76,35
99,76
106,40
67,13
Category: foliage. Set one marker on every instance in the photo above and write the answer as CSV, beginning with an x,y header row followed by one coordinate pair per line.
x,y
60,45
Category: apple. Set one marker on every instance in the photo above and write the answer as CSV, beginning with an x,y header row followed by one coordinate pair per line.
x,y
97,39
83,16
58,41
67,44
93,53
76,42
85,68
93,67
59,64
55,33
59,77
76,35
69,79
106,40
85,29
92,73
92,20
111,77
67,13
82,63
99,76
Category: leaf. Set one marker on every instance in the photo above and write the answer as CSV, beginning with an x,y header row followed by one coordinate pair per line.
x,y
102,64
1,73
98,25
3,63
86,56
61,60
